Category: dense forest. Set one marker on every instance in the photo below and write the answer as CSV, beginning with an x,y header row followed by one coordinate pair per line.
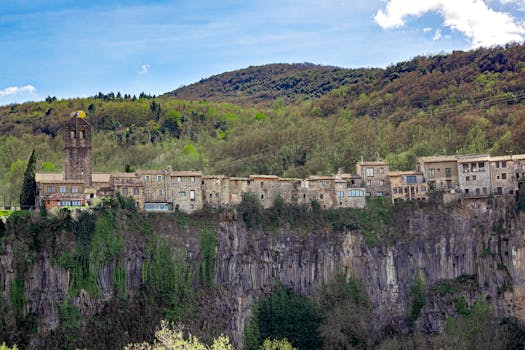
x,y
288,120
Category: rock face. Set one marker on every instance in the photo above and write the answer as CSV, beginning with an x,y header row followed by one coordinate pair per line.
x,y
481,242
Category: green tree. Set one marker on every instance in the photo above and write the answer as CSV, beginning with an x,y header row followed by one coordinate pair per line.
x,y
345,311
170,337
277,344
28,193
285,314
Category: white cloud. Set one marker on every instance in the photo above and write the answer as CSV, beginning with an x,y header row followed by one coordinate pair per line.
x,y
437,35
144,69
480,24
18,90
427,29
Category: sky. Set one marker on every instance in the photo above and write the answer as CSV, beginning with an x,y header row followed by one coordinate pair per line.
x,y
77,48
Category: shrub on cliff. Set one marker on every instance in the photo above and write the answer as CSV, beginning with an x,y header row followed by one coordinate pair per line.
x,y
284,314
345,312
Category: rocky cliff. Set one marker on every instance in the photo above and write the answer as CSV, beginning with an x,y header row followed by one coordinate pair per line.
x,y
475,248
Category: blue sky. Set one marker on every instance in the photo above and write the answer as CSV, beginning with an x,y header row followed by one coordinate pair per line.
x,y
68,48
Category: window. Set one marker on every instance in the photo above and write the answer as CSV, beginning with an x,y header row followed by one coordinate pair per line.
x,y
72,134
411,179
484,190
423,189
192,195
179,179
448,172
192,179
465,168
156,206
160,192
500,190
62,189
370,172
368,194
340,194
504,164
124,190
321,183
497,164
432,185
81,134
369,182
449,184
159,178
321,196
382,182
478,191
481,166
75,203
431,173
467,178
136,191
182,194
262,196
50,189
473,177
211,195
379,194
146,191
192,206
262,183
504,176
146,177
381,171
74,190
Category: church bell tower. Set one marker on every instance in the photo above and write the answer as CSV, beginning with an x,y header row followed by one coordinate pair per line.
x,y
77,149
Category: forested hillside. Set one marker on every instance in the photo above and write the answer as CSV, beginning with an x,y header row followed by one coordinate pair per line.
x,y
288,120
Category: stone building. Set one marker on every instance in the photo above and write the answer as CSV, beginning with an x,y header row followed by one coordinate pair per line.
x,y
216,190
408,185
186,190
441,172
129,185
503,178
375,178
77,149
77,186
474,175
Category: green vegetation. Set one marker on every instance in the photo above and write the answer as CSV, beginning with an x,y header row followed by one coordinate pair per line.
x,y
338,318
371,222
28,191
416,297
3,346
168,337
168,279
17,295
345,311
284,314
207,246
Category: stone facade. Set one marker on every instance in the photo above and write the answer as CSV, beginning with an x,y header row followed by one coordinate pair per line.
x,y
474,175
375,178
77,149
408,185
502,175
441,172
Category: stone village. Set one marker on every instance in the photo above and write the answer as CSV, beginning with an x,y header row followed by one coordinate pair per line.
x,y
188,191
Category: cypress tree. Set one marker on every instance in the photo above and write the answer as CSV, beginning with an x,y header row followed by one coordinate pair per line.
x,y
28,193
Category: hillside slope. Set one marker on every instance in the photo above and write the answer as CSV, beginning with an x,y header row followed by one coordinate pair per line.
x,y
265,84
